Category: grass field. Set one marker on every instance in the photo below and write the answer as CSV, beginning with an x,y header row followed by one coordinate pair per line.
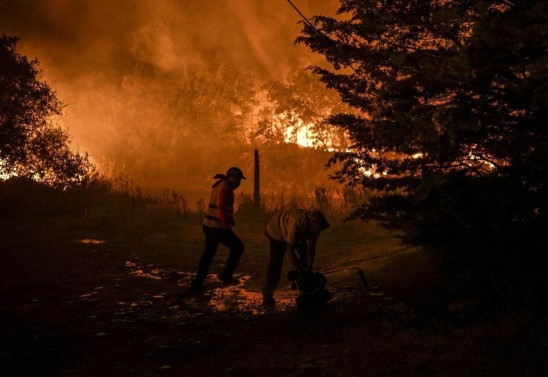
x,y
101,290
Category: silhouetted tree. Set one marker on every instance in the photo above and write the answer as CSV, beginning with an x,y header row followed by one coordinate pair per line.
x,y
30,144
452,131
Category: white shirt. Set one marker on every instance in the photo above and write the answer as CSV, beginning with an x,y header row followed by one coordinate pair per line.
x,y
289,226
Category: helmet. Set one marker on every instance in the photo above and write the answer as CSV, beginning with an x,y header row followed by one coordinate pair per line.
x,y
235,172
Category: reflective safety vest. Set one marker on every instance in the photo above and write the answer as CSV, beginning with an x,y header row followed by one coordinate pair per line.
x,y
212,216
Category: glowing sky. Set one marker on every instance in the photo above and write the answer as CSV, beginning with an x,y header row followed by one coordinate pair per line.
x,y
73,38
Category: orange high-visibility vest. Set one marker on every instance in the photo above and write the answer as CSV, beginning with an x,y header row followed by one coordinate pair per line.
x,y
212,218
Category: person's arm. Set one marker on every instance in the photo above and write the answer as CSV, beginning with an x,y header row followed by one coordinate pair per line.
x,y
295,261
226,200
311,250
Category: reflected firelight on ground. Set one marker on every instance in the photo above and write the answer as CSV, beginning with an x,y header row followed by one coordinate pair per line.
x,y
91,241
238,299
219,297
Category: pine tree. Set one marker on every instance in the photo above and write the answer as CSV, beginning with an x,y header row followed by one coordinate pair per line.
x,y
451,131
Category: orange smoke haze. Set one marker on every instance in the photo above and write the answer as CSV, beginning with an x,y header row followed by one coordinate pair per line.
x,y
133,72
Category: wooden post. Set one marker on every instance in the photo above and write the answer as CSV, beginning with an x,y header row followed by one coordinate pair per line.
x,y
256,182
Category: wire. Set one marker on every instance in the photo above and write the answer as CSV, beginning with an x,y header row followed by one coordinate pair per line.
x,y
302,15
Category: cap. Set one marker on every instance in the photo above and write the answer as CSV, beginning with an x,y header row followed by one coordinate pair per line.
x,y
235,172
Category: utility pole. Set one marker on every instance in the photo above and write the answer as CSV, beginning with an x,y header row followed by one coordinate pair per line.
x,y
256,182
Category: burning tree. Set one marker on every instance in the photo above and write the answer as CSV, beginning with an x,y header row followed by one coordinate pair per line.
x,y
452,97
295,113
31,145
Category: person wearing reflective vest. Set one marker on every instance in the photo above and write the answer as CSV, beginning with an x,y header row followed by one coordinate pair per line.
x,y
217,228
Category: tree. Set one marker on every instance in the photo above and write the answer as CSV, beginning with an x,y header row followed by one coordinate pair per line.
x,y
31,145
452,97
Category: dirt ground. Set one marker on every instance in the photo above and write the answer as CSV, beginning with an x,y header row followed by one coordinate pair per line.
x,y
96,299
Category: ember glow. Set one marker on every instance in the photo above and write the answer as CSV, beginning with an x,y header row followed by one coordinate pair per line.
x,y
299,135
3,176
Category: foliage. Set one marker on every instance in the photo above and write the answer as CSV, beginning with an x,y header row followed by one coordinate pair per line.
x,y
31,145
452,98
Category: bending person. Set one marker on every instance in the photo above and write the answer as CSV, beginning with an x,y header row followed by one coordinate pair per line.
x,y
295,232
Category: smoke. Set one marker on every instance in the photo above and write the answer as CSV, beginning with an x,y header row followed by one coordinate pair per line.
x,y
72,38
147,82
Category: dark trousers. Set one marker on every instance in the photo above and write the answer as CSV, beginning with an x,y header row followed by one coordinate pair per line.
x,y
275,265
214,237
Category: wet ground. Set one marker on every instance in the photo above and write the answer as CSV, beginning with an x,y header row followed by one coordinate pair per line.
x,y
240,299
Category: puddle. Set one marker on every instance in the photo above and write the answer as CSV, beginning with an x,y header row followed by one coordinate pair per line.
x,y
218,298
177,303
236,299
90,241
149,271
